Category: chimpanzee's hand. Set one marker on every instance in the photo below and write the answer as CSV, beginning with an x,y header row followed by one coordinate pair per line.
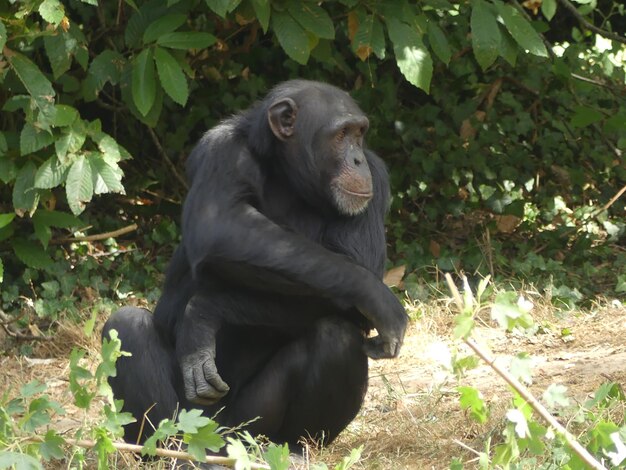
x,y
203,385
390,319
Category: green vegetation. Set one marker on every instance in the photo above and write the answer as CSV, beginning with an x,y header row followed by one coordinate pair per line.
x,y
503,125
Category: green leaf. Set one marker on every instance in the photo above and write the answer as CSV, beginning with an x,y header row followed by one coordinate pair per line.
x,y
31,254
59,48
584,116
32,388
3,35
263,10
105,68
508,46
485,34
236,450
70,141
33,139
349,461
508,313
521,368
171,76
548,8
19,461
35,82
187,40
369,37
312,18
291,36
152,117
50,448
109,147
106,179
464,325
52,11
18,102
51,174
25,199
192,420
43,233
1,271
277,456
4,147
222,7
521,30
205,438
79,185
115,422
78,375
65,115
439,42
6,219
144,82
471,399
163,25
412,57
555,396
110,351
166,429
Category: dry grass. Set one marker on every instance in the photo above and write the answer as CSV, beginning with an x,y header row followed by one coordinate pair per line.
x,y
411,418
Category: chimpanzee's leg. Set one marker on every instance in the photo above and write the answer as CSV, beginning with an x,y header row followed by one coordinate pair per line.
x,y
309,386
148,380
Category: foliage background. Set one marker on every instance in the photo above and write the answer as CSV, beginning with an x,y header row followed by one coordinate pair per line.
x,y
505,152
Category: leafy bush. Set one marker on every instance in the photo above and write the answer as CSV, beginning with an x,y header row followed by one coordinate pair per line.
x,y
511,153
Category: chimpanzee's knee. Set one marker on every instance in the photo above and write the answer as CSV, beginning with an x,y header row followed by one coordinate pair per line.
x,y
146,380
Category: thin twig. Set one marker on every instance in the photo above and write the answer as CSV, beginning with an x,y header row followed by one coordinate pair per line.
x,y
466,447
582,78
602,32
523,391
163,153
613,199
99,236
174,454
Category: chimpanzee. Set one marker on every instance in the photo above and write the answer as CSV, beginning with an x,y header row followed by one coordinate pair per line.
x,y
269,299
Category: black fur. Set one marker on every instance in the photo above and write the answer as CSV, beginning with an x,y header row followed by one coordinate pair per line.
x,y
272,287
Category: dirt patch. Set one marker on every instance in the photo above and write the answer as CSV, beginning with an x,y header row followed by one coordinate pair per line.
x,y
411,418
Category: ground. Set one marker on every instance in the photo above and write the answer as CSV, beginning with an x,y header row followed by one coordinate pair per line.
x,y
411,418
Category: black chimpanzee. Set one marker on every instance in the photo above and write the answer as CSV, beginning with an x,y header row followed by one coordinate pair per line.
x,y
268,300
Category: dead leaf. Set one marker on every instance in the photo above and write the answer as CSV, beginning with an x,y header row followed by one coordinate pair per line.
x,y
353,24
363,52
507,223
467,131
394,276
533,5
435,248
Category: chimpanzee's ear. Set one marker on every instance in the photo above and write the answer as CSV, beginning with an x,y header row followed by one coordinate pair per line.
x,y
282,117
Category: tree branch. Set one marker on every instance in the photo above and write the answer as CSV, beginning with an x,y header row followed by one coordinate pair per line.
x,y
97,237
591,27
524,392
163,153
174,454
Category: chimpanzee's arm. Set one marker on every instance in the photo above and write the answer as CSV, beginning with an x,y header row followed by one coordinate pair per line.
x,y
222,229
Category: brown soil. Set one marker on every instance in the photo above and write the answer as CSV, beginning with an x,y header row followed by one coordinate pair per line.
x,y
411,418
